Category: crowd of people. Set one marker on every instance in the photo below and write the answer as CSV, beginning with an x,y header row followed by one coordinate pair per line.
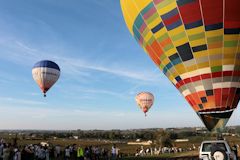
x,y
40,151
44,151
157,151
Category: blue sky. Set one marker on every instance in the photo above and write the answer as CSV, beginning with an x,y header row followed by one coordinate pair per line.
x,y
102,69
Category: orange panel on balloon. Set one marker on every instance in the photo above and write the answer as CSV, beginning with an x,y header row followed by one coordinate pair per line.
x,y
153,56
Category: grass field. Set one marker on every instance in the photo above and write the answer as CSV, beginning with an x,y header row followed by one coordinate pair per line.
x,y
127,150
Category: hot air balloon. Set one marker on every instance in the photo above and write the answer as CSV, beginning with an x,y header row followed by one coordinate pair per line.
x,y
196,45
45,73
145,101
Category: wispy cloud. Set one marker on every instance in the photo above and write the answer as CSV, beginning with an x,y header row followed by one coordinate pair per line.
x,y
27,48
35,94
100,91
80,66
7,78
20,101
85,71
91,93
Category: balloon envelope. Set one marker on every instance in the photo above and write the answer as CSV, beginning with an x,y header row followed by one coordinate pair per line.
x,y
45,73
145,101
196,45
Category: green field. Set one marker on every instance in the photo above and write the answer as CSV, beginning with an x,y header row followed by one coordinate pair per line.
x,y
126,150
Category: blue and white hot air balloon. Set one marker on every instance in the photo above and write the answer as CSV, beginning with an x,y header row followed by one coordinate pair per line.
x,y
45,73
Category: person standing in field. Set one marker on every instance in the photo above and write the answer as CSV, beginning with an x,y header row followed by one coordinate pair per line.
x,y
67,153
46,152
6,152
1,150
114,151
117,152
74,152
80,153
97,153
42,154
57,151
17,154
87,153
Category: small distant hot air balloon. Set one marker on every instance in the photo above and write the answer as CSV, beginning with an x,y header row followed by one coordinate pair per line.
x,y
145,101
196,45
45,73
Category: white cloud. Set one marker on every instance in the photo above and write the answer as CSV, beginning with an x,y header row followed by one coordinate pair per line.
x,y
27,48
86,93
73,65
26,55
20,101
7,77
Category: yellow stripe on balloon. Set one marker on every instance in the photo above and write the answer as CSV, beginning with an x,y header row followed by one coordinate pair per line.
x,y
131,9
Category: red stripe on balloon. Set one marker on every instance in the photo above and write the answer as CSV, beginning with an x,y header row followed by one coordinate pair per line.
x,y
212,11
190,12
207,76
172,20
232,16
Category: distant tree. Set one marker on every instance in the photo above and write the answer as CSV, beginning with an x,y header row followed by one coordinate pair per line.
x,y
15,139
111,135
173,135
186,134
148,135
69,135
163,139
23,136
46,136
237,130
139,135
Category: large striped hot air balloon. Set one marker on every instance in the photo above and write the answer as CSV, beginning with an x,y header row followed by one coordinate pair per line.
x,y
45,73
196,45
145,101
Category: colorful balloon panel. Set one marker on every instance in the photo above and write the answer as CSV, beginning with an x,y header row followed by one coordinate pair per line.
x,y
145,101
196,45
45,73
